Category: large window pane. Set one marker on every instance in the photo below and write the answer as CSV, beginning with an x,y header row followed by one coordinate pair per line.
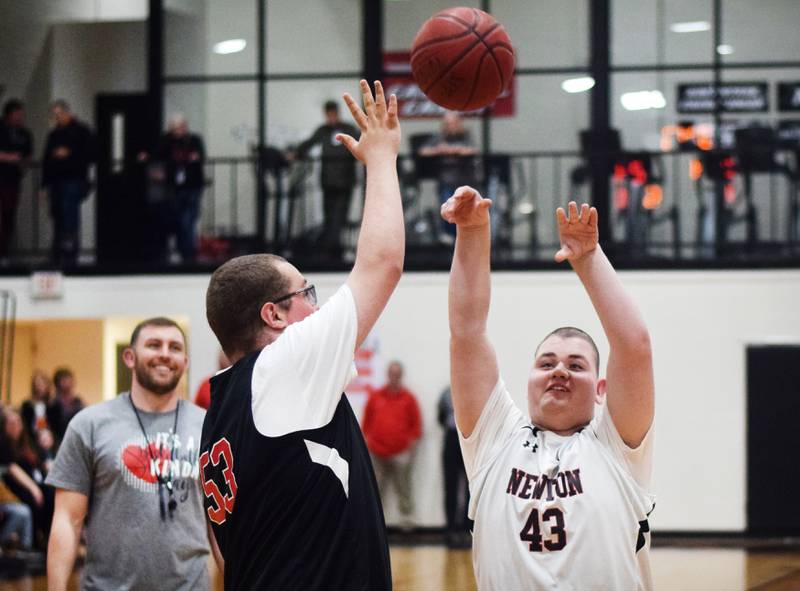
x,y
314,36
661,32
766,30
546,119
547,33
402,20
224,114
193,30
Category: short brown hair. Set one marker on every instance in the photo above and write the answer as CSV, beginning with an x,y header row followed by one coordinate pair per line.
x,y
237,291
156,321
566,332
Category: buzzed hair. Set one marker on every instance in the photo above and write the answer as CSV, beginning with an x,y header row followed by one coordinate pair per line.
x,y
237,291
566,332
331,106
155,321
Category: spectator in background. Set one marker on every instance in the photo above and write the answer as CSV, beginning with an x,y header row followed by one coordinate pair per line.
x,y
37,411
392,426
66,403
128,468
337,176
454,147
456,486
183,155
203,396
16,145
29,485
65,174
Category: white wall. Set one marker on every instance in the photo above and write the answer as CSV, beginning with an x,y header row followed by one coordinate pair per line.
x,y
700,323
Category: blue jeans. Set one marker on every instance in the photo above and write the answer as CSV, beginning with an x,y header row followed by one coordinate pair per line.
x,y
16,518
65,208
187,209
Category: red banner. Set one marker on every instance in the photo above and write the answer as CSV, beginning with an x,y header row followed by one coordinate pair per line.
x,y
412,102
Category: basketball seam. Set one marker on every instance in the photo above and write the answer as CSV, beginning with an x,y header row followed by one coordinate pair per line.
x,y
474,82
490,50
449,66
440,40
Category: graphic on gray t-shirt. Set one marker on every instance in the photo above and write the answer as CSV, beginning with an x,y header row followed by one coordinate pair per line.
x,y
129,545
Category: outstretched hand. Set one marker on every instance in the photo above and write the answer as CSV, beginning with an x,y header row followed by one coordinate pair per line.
x,y
577,232
466,208
380,127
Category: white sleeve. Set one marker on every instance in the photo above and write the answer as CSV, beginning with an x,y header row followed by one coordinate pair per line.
x,y
299,378
638,461
499,420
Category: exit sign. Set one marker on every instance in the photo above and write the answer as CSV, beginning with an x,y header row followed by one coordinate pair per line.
x,y
47,285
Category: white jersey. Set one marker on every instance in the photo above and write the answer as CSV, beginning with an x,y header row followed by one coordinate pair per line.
x,y
555,512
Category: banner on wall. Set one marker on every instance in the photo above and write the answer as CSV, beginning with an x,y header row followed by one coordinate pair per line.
x,y
370,374
736,97
412,102
789,96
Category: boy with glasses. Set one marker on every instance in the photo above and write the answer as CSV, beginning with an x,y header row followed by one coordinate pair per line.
x,y
289,486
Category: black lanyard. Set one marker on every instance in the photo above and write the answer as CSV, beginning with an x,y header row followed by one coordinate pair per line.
x,y
163,481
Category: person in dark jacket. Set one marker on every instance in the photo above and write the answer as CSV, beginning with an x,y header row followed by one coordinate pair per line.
x,y
183,154
337,176
16,145
65,174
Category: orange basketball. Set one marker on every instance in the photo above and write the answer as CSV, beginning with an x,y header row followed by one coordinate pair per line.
x,y
462,59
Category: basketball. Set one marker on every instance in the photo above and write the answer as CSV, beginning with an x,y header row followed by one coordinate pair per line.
x,y
462,59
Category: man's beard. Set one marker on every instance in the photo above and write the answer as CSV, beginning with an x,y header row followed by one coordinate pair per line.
x,y
160,388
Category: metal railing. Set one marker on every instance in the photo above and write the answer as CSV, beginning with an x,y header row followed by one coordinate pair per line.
x,y
688,207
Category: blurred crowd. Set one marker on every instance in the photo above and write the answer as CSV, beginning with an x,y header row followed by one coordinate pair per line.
x,y
29,439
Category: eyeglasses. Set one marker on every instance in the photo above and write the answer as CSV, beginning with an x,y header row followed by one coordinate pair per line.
x,y
309,291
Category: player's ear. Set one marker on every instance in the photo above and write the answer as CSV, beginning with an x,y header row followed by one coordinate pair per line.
x,y
128,357
600,395
273,316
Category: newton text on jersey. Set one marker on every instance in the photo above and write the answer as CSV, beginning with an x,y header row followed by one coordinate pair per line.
x,y
535,486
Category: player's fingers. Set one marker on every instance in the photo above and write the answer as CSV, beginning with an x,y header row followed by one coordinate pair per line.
x,y
584,216
561,216
573,212
446,211
563,254
380,100
356,112
465,192
593,217
349,142
485,203
392,112
366,96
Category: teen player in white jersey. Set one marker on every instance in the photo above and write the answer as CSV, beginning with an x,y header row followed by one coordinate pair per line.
x,y
559,497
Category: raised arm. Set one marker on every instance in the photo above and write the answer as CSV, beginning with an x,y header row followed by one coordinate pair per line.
x,y
381,241
70,511
630,390
473,363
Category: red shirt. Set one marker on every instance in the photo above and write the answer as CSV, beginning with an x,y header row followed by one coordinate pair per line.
x,y
391,421
203,396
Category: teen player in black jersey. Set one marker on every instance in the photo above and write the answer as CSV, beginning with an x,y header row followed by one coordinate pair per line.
x,y
289,487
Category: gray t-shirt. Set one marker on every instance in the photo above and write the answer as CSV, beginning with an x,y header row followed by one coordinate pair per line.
x,y
129,545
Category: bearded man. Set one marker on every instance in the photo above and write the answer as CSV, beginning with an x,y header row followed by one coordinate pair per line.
x,y
128,468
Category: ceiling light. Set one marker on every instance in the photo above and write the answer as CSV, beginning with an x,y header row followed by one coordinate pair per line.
x,y
724,49
581,84
230,46
690,27
643,99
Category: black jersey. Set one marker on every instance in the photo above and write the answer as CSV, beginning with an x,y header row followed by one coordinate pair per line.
x,y
291,496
